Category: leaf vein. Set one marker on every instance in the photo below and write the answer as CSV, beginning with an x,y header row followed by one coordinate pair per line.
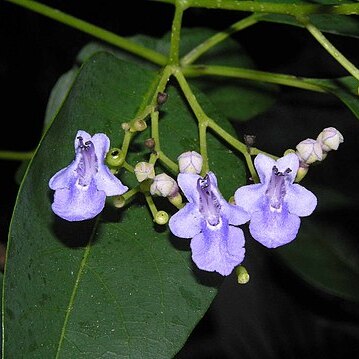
x,y
74,291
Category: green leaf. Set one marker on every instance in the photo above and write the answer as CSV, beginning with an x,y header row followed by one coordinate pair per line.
x,y
301,2
93,47
116,286
334,24
325,258
58,94
345,88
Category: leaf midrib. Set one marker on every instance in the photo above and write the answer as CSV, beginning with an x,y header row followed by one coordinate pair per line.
x,y
74,291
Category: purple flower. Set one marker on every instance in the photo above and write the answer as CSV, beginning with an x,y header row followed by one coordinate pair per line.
x,y
81,188
217,245
276,203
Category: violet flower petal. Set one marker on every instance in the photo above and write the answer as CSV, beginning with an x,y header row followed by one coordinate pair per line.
x,y
107,182
264,165
274,229
214,183
300,201
249,197
188,184
290,161
78,204
218,249
186,223
66,177
85,136
235,214
104,179
102,145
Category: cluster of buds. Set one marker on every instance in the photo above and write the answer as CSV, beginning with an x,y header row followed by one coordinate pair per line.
x,y
310,150
164,185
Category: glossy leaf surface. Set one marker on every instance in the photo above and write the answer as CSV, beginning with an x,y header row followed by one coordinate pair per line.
x,y
116,285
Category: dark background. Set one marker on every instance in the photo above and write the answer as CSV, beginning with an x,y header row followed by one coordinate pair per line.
x,y
277,314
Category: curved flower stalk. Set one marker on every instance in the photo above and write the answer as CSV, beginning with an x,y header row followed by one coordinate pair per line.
x,y
217,245
276,203
81,188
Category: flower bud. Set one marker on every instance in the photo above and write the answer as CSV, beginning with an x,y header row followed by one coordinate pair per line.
x,y
330,138
190,162
161,98
309,151
138,125
164,186
144,170
125,126
119,201
115,157
161,217
242,275
289,150
249,140
150,143
232,200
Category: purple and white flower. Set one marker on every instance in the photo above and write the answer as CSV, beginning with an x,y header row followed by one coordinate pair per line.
x,y
276,203
81,188
217,244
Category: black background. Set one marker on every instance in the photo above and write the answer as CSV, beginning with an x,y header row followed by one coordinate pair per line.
x,y
276,315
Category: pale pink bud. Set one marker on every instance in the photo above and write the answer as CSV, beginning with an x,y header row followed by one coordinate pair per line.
x,y
330,139
144,170
190,162
163,185
309,151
